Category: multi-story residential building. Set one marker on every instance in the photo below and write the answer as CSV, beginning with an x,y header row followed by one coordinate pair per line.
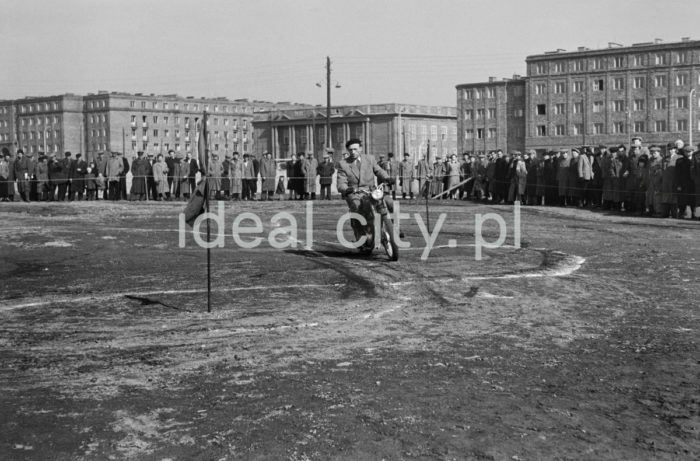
x,y
42,124
127,123
417,130
491,115
609,95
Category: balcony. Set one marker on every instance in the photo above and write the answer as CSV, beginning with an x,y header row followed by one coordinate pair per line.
x,y
133,124
133,137
145,138
144,125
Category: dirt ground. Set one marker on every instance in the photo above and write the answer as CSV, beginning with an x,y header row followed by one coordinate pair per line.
x,y
581,344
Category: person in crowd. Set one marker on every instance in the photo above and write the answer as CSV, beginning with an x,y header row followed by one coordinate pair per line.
x,y
4,177
695,170
91,181
170,161
437,182
77,174
10,177
683,184
41,173
563,177
24,168
268,172
235,172
575,190
151,188
585,176
394,171
479,187
115,166
101,164
139,170
669,199
641,177
182,178
249,178
466,177
160,176
310,173
453,172
652,202
194,168
123,193
215,173
256,175
326,170
225,174
424,173
406,175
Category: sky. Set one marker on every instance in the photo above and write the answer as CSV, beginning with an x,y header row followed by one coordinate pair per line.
x,y
404,51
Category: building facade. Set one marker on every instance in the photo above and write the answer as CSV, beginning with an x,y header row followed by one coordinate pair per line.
x,y
491,115
417,130
610,95
587,97
123,122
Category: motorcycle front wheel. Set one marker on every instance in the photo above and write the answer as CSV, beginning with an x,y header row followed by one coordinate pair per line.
x,y
388,240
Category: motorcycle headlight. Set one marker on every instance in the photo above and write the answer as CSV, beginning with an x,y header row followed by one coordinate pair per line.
x,y
377,194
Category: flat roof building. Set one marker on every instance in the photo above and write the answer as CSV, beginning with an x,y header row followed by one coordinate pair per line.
x,y
383,128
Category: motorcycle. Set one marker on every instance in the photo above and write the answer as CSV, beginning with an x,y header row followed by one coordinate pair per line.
x,y
373,208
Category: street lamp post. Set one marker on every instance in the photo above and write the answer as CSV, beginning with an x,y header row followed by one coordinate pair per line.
x,y
329,143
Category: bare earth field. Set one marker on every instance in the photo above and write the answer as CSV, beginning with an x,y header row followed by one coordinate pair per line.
x,y
581,344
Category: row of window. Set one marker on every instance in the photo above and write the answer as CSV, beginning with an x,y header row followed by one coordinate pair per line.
x,y
31,135
616,128
614,62
33,149
488,114
176,120
29,108
488,93
38,121
194,107
618,83
618,105
178,147
166,134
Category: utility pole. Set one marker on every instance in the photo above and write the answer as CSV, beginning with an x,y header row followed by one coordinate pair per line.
x,y
328,103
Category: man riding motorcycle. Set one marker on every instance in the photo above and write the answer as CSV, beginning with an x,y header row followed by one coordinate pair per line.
x,y
355,172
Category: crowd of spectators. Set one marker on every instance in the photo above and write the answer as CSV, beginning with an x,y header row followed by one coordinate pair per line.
x,y
660,181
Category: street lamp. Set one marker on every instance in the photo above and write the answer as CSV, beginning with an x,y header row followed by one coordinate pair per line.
x,y
328,100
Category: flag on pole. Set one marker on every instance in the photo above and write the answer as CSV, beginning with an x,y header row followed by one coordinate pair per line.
x,y
196,204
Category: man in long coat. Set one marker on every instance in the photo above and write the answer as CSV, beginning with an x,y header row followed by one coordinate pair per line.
x,y
139,170
225,181
194,168
101,164
122,177
215,173
310,172
77,174
406,174
424,171
563,177
268,170
115,166
23,168
160,175
236,176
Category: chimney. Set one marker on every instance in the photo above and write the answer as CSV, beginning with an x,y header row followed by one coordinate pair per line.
x,y
492,79
657,40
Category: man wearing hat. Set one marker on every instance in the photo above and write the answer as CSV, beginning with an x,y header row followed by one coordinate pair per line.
x,y
139,170
170,162
151,188
225,181
214,176
406,176
115,166
248,178
268,171
23,169
424,171
326,170
685,189
310,170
